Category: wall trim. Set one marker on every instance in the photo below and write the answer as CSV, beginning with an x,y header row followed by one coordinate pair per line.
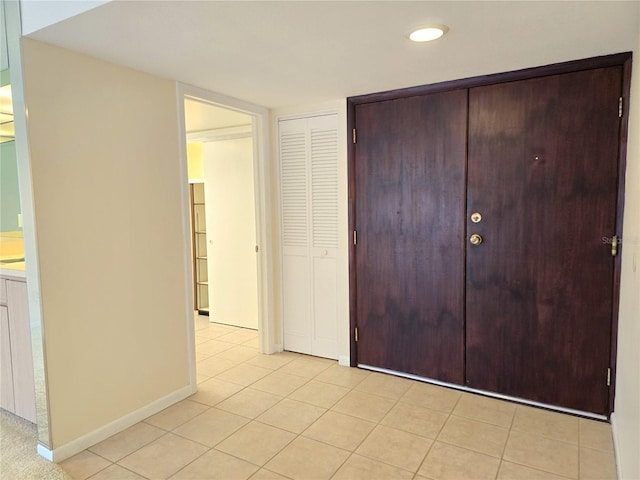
x,y
344,360
616,449
85,441
218,134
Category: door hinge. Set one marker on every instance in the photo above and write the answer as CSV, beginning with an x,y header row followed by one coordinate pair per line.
x,y
355,333
608,377
354,135
257,249
620,107
614,245
355,237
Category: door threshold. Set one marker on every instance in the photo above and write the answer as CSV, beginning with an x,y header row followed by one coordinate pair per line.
x,y
486,393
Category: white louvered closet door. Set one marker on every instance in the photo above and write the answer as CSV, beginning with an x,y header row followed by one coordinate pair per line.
x,y
309,213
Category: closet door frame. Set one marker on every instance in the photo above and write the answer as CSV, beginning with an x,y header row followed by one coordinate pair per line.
x,y
619,59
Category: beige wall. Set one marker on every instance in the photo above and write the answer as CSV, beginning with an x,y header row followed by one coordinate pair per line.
x,y
626,418
107,186
195,161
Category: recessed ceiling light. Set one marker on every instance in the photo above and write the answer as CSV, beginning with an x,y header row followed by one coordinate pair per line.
x,y
428,33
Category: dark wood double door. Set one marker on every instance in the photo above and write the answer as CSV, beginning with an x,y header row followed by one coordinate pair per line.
x,y
528,311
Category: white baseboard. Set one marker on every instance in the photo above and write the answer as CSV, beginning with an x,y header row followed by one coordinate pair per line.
x,y
45,452
344,360
82,443
616,451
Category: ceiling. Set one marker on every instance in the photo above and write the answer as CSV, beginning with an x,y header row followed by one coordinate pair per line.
x,y
278,54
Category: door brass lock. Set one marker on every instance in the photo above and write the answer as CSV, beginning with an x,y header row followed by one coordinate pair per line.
x,y
475,239
476,217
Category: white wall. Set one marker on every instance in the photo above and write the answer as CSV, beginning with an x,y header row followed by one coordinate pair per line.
x,y
108,202
626,417
231,231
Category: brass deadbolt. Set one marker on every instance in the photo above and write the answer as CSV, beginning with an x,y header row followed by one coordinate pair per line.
x,y
475,239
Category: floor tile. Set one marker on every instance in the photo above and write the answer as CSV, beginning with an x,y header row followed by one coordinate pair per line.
x,y
116,472
432,396
84,464
215,330
213,347
395,447
307,366
596,435
512,471
256,442
128,441
414,419
305,459
264,474
213,366
597,465
272,362
215,465
163,457
342,376
320,394
253,343
211,427
291,415
362,468
473,435
199,339
176,415
385,385
200,378
364,405
546,424
339,430
542,453
243,374
213,391
239,336
249,402
280,383
448,462
202,356
484,409
238,353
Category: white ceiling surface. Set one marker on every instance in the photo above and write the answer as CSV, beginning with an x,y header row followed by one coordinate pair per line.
x,y
204,117
288,53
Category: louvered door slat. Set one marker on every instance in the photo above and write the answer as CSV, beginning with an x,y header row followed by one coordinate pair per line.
x,y
293,178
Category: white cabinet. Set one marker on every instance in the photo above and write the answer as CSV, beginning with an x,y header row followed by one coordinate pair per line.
x,y
17,393
308,154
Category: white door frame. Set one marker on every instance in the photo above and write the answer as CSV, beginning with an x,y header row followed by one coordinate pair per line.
x,y
262,173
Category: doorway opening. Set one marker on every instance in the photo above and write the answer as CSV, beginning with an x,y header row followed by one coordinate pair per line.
x,y
220,166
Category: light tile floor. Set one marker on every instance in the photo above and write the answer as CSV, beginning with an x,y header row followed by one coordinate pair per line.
x,y
298,417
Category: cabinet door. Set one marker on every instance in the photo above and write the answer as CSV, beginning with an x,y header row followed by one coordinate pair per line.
x,y
308,152
6,368
21,358
542,172
409,217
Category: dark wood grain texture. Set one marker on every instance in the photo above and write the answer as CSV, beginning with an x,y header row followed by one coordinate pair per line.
x,y
482,80
409,215
622,165
543,172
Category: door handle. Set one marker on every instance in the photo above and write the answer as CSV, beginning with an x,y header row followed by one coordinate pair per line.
x,y
475,239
